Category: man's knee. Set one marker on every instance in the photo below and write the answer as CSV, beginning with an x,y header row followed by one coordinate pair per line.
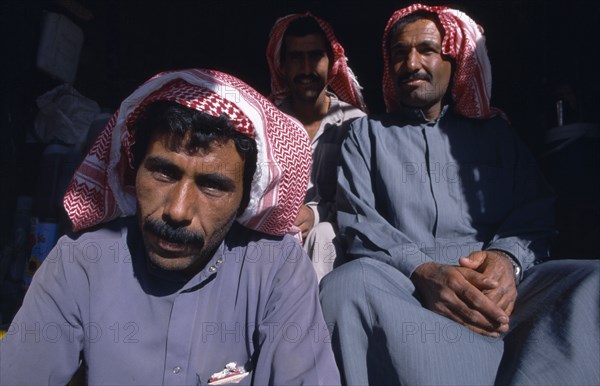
x,y
577,271
343,284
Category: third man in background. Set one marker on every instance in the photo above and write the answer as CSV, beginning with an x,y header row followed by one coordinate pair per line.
x,y
311,81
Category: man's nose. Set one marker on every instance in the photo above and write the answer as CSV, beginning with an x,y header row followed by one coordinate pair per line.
x,y
307,65
413,60
181,204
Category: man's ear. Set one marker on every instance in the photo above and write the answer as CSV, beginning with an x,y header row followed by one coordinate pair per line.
x,y
245,195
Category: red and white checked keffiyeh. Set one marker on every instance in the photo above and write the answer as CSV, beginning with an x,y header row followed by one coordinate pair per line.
x,y
341,79
464,42
103,187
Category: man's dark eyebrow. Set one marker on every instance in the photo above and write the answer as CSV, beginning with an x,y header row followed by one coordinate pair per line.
x,y
311,52
154,163
317,52
218,180
423,43
430,43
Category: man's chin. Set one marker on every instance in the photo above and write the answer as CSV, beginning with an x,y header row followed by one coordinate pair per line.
x,y
415,102
308,96
309,93
171,263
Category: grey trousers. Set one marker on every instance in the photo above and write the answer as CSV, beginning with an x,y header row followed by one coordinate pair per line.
x,y
382,335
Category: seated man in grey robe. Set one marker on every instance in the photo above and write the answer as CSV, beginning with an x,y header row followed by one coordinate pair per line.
x,y
446,216
203,284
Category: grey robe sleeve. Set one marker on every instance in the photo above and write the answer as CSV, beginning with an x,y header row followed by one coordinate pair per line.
x,y
46,336
365,231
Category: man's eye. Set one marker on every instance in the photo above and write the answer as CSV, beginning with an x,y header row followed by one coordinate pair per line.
x,y
399,53
430,49
213,190
163,175
317,54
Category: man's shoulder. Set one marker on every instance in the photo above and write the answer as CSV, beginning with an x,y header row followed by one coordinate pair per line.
x,y
262,246
350,111
257,256
240,236
493,121
100,252
97,245
495,126
347,111
115,229
374,122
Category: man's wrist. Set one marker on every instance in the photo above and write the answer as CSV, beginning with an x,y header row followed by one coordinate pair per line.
x,y
517,269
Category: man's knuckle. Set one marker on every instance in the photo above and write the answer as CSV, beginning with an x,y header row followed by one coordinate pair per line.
x,y
454,282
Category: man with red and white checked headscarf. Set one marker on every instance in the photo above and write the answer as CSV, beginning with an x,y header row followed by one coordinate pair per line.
x,y
183,271
445,214
311,81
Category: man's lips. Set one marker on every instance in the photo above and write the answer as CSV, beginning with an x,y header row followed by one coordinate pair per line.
x,y
171,242
306,81
413,82
168,248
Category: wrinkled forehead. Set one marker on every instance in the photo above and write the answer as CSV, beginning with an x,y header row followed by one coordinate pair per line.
x,y
184,144
311,42
219,158
415,33
414,21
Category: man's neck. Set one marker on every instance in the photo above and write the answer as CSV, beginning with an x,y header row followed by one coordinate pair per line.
x,y
430,114
311,113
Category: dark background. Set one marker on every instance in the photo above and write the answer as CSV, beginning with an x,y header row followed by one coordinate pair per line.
x,y
538,48
541,51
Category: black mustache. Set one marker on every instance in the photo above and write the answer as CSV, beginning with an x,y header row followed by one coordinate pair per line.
x,y
415,76
312,78
173,235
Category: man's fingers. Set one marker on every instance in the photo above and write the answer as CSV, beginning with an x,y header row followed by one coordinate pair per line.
x,y
480,281
469,318
504,297
479,309
305,219
453,292
473,260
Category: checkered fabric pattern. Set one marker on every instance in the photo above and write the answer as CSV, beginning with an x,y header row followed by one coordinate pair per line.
x,y
341,81
200,99
464,42
103,187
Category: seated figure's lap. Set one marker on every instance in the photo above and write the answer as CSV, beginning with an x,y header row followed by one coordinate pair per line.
x,y
381,325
